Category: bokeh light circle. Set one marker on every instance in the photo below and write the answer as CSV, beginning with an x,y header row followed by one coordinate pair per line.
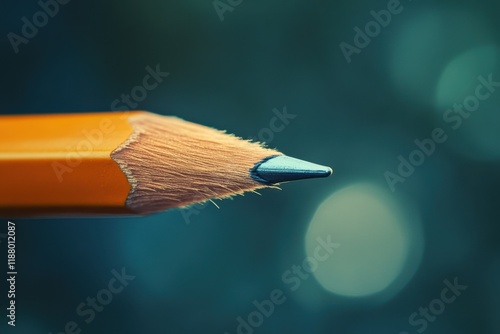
x,y
474,131
376,241
425,42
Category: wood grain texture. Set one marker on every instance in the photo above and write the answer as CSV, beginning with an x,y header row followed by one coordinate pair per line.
x,y
173,163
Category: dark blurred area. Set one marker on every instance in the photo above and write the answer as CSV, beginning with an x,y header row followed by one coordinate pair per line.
x,y
400,98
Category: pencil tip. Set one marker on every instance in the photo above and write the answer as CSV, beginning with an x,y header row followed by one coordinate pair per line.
x,y
282,168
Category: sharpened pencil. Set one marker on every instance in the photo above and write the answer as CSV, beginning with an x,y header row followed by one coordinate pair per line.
x,y
129,163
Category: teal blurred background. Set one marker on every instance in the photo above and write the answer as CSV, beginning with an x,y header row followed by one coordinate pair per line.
x,y
399,98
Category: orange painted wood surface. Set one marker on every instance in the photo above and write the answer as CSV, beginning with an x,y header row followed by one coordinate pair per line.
x,y
61,163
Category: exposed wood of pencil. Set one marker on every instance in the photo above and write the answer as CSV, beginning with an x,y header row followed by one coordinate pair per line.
x,y
134,162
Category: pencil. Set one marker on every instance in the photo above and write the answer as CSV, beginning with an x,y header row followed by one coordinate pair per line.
x,y
129,163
